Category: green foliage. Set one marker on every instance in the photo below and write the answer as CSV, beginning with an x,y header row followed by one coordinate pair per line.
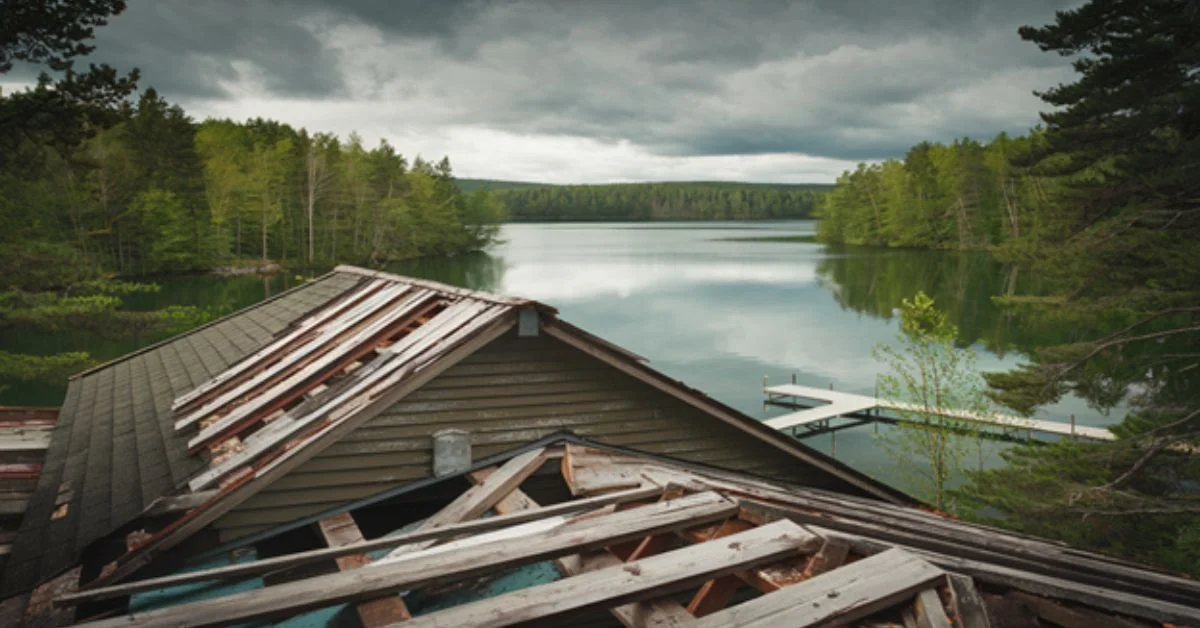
x,y
42,368
1123,142
965,195
660,201
931,374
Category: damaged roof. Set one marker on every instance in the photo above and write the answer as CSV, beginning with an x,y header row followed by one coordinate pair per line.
x,y
648,540
114,451
220,412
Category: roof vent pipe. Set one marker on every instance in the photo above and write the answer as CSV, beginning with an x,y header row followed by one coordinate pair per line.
x,y
451,452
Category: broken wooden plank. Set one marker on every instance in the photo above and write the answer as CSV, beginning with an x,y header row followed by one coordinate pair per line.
x,y
278,346
967,609
341,530
365,392
929,611
480,498
288,561
660,613
303,351
265,399
1110,599
648,578
588,471
840,596
418,570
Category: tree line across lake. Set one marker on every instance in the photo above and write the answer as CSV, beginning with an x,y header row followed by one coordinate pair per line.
x,y
654,201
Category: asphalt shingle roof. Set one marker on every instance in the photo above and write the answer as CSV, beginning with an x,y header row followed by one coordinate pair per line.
x,y
115,449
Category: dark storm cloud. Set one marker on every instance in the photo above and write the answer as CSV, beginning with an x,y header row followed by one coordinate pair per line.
x,y
851,80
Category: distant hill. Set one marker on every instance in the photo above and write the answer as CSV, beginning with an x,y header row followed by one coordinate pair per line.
x,y
494,185
671,200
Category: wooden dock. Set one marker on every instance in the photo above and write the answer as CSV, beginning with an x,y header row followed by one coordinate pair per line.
x,y
828,404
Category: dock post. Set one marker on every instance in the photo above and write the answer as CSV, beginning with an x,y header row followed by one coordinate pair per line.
x,y
833,443
766,397
1072,427
793,378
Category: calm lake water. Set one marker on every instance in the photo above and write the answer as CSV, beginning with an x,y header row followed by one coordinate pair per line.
x,y
714,312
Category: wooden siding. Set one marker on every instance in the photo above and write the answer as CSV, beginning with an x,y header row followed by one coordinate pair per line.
x,y
512,391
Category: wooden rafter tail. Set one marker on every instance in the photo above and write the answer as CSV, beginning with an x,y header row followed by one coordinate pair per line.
x,y
512,512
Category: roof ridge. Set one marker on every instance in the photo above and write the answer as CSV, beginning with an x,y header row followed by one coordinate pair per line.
x,y
481,295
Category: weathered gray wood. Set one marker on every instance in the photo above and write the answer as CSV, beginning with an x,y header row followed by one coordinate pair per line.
x,y
271,349
321,342
1068,617
481,497
420,570
647,578
840,596
1112,600
262,398
929,610
911,527
968,608
287,561
658,613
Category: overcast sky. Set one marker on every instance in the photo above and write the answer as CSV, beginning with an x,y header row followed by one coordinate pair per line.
x,y
598,91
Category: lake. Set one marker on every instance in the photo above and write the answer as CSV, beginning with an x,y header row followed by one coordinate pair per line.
x,y
705,305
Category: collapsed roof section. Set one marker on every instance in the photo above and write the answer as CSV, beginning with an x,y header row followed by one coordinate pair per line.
x,y
648,540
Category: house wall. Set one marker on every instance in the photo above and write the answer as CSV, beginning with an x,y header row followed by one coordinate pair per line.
x,y
512,391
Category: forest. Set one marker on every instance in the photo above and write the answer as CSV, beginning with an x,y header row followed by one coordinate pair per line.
x,y
966,195
658,201
143,188
1101,204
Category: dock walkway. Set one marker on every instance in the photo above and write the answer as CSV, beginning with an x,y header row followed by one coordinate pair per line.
x,y
839,404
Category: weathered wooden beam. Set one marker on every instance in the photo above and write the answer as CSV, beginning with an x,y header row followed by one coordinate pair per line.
x,y
418,570
967,609
662,612
929,611
840,596
481,497
1108,599
1068,617
648,578
272,351
341,530
276,563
